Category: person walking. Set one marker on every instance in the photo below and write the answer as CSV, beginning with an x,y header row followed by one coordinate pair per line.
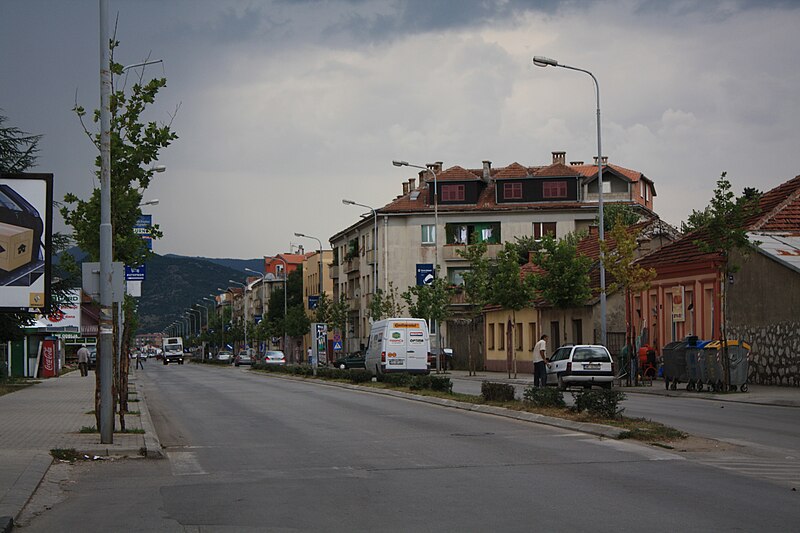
x,y
310,355
540,362
139,360
83,360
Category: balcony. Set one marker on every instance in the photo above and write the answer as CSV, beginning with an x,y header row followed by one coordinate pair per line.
x,y
351,265
371,257
450,251
333,271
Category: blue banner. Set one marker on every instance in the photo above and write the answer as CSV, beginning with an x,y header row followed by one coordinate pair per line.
x,y
313,301
134,273
425,273
142,229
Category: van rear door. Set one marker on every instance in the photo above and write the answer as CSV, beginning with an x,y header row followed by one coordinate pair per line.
x,y
417,348
395,344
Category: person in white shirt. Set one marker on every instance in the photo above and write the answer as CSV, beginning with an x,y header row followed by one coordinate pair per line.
x,y
540,362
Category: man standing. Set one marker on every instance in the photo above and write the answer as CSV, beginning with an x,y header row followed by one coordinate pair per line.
x,y
139,360
310,355
539,362
83,360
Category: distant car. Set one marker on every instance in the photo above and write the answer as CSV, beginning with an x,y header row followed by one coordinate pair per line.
x,y
583,365
243,358
225,356
274,357
351,360
92,358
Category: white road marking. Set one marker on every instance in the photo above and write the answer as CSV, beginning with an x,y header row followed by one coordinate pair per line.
x,y
185,464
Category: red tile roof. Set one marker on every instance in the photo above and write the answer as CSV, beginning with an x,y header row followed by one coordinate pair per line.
x,y
557,170
779,209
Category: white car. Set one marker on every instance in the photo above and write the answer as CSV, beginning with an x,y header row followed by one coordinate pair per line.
x,y
274,357
225,356
581,364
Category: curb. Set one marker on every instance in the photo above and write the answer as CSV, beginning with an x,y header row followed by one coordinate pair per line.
x,y
152,446
22,490
599,430
6,524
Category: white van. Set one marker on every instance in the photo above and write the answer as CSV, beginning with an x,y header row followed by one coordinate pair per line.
x,y
173,350
398,345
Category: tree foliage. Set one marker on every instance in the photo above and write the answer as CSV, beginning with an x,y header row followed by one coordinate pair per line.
x,y
18,149
385,304
431,302
135,146
565,281
617,213
619,259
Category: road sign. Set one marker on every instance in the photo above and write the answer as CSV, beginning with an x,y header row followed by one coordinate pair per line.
x,y
337,346
136,273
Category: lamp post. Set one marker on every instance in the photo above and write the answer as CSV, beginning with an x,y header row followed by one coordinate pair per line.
x,y
244,293
374,241
435,243
320,257
541,61
263,292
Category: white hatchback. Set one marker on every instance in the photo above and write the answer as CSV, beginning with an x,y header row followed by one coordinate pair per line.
x,y
581,364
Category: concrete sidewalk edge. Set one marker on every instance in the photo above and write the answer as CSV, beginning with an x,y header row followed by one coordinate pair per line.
x,y
598,430
152,445
23,489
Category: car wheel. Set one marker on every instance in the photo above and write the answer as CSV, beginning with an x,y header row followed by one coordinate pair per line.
x,y
180,362
743,388
343,366
562,385
166,362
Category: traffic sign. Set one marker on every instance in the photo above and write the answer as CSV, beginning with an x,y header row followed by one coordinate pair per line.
x,y
337,346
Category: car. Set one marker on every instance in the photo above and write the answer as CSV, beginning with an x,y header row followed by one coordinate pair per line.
x,y
92,358
274,357
243,358
225,356
351,360
582,365
447,358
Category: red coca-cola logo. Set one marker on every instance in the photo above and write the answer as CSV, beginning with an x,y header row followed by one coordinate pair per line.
x,y
56,316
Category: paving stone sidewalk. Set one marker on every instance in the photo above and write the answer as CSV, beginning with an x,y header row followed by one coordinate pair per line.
x,y
50,415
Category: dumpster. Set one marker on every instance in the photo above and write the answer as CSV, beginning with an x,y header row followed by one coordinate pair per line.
x,y
738,355
673,357
694,364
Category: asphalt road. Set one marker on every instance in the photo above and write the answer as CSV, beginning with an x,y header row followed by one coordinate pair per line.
x,y
253,452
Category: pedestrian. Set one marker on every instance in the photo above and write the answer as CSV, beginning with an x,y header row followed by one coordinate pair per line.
x,y
83,360
540,362
139,361
310,354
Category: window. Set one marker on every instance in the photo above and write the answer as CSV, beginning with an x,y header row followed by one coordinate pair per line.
x,y
488,232
531,335
512,191
540,229
452,193
577,331
518,334
501,333
428,234
490,340
554,189
455,276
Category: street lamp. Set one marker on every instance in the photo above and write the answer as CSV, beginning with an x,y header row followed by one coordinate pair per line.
x,y
430,169
541,61
149,202
263,293
435,207
320,257
374,241
244,287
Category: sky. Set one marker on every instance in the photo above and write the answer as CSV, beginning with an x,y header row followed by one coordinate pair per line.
x,y
285,107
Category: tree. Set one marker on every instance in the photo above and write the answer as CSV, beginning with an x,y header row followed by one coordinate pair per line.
x,y
385,304
512,291
565,281
619,254
617,213
431,302
723,232
135,146
339,312
522,247
477,283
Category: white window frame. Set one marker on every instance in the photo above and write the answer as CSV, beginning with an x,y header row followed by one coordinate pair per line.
x,y
428,234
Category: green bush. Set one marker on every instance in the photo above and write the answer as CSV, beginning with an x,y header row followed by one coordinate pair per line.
x,y
543,397
442,384
358,375
420,382
603,403
401,379
497,392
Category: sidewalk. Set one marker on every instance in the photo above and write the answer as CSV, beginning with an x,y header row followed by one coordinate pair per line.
x,y
757,394
50,415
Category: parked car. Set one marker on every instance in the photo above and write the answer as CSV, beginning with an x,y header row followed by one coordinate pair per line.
x,y
225,356
92,358
243,358
274,357
351,360
446,358
582,364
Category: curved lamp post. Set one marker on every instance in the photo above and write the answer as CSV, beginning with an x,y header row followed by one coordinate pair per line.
x,y
320,256
375,239
541,61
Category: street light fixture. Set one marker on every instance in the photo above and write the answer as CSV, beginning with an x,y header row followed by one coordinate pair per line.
x,y
149,202
541,61
374,241
430,169
320,257
244,292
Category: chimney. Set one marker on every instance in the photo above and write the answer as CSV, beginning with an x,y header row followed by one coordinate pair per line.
x,y
405,188
605,159
576,163
487,170
412,184
437,166
594,229
559,158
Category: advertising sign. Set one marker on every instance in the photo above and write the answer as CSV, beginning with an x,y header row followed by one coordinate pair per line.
x,y
142,228
313,301
49,364
425,273
678,314
67,315
26,220
135,273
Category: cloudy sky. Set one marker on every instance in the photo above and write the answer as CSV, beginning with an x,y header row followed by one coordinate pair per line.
x,y
286,107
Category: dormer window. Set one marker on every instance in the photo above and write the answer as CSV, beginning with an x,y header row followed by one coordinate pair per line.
x,y
554,189
512,191
452,193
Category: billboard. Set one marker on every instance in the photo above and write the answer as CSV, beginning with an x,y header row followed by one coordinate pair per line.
x,y
26,222
143,227
425,273
67,316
